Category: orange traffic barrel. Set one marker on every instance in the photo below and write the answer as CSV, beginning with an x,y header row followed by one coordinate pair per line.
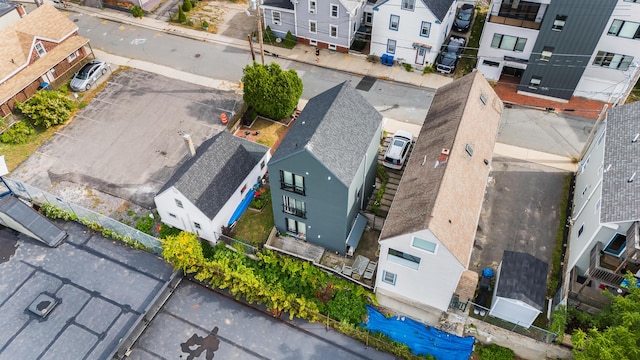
x,y
223,118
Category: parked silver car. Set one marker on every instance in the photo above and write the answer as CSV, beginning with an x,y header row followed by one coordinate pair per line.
x,y
88,75
398,150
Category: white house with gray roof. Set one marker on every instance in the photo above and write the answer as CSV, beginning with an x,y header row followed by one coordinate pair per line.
x,y
428,236
325,24
323,172
412,31
603,240
205,191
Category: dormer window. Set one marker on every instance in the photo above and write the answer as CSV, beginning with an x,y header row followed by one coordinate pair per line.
x,y
40,49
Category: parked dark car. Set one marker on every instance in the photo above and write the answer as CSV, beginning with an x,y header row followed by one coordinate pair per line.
x,y
462,22
448,58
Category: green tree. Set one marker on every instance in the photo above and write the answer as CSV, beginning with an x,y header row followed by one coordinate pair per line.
x,y
619,335
47,108
187,5
289,40
182,18
137,12
17,134
271,91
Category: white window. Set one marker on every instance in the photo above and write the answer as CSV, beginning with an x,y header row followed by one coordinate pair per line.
x,y
547,51
425,245
535,81
613,61
179,203
293,206
313,27
506,42
40,49
297,228
558,23
197,225
331,47
333,31
313,42
391,46
72,57
389,278
394,22
404,259
275,16
334,11
425,29
408,4
312,6
625,29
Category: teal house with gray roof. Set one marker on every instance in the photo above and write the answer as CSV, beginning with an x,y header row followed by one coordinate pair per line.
x,y
323,172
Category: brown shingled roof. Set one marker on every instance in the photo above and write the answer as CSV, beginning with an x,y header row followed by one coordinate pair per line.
x,y
46,22
447,199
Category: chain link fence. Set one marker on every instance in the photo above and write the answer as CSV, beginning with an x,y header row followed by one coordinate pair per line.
x,y
534,332
38,196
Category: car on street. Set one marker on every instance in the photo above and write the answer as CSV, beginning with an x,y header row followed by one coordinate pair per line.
x,y
88,75
398,150
462,22
448,58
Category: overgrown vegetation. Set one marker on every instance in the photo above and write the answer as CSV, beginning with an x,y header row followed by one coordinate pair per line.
x,y
271,91
187,5
559,322
136,11
556,255
283,284
18,133
384,178
470,55
494,352
47,108
407,67
428,69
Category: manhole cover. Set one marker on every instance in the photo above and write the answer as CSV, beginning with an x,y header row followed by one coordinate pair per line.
x,y
42,305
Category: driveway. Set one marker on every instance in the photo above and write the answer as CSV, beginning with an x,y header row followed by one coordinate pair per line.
x,y
229,329
128,141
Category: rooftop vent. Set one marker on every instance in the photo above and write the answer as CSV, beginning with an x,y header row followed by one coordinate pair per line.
x,y
635,138
42,305
444,156
632,177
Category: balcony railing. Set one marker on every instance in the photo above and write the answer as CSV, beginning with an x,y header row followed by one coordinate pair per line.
x,y
294,211
293,188
528,24
599,272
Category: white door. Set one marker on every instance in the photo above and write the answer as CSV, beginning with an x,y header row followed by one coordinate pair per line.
x,y
420,53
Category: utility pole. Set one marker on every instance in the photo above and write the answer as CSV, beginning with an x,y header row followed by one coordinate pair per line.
x,y
256,6
253,55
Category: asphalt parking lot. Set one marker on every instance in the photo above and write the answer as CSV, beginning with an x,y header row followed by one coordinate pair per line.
x,y
128,140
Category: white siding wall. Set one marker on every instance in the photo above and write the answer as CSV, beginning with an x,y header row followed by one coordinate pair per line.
x,y
409,31
486,52
604,84
185,217
432,284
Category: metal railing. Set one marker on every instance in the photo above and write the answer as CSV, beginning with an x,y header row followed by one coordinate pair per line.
x,y
533,331
248,249
38,196
294,211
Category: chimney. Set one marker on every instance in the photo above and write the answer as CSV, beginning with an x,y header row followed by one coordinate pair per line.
x,y
21,10
189,143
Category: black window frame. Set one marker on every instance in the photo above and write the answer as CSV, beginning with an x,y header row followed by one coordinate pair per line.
x,y
292,187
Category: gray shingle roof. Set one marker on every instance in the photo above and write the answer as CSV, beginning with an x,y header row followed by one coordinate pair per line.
x,y
621,198
424,200
283,4
439,8
336,126
523,277
219,167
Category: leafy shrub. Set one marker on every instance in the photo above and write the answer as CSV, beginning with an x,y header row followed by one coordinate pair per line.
x,y
187,5
373,58
495,352
145,224
182,18
166,230
289,40
268,36
428,69
205,24
17,134
47,108
559,322
407,67
136,11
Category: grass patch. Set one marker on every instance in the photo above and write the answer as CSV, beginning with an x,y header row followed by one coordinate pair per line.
x,y
270,131
254,227
15,154
556,255
470,55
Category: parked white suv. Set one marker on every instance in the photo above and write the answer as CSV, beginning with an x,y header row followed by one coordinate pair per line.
x,y
398,150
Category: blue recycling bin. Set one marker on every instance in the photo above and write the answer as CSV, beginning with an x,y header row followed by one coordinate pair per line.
x,y
388,60
383,59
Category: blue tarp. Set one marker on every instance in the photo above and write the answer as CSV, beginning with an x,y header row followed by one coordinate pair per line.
x,y
420,338
244,204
